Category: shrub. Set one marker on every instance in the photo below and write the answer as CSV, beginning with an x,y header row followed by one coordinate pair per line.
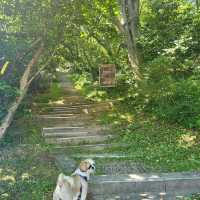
x,y
171,99
7,95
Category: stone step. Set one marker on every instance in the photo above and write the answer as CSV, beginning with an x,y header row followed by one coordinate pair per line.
x,y
51,110
91,147
67,111
74,97
138,196
84,147
71,134
107,163
65,117
62,128
66,129
66,122
79,139
178,184
99,155
61,105
68,88
64,108
77,100
65,134
68,115
78,110
52,121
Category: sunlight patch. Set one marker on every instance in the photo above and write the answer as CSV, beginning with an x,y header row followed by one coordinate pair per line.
x,y
25,176
59,102
7,178
187,140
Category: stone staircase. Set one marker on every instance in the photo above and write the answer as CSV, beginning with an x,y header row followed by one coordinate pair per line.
x,y
71,125
72,119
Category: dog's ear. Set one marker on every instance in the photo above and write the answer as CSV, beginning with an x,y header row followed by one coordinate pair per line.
x,y
84,165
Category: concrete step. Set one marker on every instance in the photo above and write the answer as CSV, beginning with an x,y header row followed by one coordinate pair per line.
x,y
78,139
74,97
56,131
99,155
67,111
68,115
65,134
68,88
71,134
136,196
61,105
64,108
171,184
90,147
107,163
66,122
72,110
67,100
65,117
72,128
62,129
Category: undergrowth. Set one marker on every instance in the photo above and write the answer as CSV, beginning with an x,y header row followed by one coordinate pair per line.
x,y
157,143
27,168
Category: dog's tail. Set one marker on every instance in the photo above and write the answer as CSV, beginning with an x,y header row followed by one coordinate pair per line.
x,y
60,180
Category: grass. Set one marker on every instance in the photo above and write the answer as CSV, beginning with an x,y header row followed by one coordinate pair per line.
x,y
157,144
52,94
27,165
27,168
160,146
29,171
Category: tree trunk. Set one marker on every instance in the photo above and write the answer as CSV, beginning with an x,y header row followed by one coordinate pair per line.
x,y
197,4
24,85
130,19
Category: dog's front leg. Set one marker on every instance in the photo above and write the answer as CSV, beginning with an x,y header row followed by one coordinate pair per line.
x,y
84,192
76,197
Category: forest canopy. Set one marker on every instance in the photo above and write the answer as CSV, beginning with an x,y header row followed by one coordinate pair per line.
x,y
155,46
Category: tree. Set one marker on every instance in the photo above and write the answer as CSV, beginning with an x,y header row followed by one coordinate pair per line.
x,y
197,4
129,24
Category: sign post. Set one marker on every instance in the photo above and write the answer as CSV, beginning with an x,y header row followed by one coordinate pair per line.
x,y
107,75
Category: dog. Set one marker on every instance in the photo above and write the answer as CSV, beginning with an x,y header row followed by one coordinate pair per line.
x,y
74,187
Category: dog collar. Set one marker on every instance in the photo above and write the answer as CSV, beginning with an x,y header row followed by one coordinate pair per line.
x,y
82,174
84,177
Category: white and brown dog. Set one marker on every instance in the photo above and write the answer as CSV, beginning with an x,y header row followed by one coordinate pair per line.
x,y
74,187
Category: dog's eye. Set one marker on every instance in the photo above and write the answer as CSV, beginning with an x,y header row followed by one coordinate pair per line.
x,y
91,167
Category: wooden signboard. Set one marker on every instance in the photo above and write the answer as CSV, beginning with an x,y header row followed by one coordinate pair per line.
x,y
107,75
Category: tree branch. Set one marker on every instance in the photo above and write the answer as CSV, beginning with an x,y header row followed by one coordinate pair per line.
x,y
20,57
23,90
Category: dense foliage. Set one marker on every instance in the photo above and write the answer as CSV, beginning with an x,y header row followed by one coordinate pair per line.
x,y
152,114
86,34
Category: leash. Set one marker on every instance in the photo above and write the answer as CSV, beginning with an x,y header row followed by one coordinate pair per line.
x,y
79,196
86,179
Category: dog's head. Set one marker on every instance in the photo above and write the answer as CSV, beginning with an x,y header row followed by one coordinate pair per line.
x,y
87,166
